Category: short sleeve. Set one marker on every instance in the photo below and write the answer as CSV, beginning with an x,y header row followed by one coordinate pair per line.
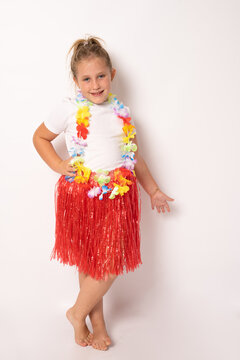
x,y
57,119
132,121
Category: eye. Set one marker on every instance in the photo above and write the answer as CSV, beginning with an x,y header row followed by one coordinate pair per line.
x,y
102,75
86,79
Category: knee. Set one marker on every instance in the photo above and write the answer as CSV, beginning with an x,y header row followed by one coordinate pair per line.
x,y
112,276
109,277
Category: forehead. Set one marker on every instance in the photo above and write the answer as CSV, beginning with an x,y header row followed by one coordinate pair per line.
x,y
91,66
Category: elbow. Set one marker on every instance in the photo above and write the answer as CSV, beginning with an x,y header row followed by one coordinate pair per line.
x,y
138,157
35,138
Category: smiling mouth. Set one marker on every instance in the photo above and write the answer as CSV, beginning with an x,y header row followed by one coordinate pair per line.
x,y
98,93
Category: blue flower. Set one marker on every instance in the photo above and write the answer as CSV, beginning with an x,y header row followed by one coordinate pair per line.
x,y
69,178
105,189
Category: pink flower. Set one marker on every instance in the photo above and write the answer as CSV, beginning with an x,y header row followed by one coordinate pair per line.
x,y
96,190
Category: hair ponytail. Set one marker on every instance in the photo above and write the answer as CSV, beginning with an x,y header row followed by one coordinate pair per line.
x,y
85,48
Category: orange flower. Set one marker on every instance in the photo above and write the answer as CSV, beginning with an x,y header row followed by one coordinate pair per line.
x,y
120,179
85,121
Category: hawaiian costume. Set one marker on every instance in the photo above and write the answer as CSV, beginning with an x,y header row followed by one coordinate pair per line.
x,y
97,209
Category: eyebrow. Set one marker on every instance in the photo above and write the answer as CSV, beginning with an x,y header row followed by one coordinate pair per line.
x,y
89,76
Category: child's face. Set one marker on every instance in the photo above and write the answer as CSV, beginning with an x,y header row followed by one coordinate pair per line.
x,y
94,79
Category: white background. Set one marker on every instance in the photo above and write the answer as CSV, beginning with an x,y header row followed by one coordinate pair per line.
x,y
178,70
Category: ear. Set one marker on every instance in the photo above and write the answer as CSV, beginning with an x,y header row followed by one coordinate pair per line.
x,y
75,80
113,73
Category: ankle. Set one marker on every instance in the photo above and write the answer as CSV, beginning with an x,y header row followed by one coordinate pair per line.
x,y
98,322
77,315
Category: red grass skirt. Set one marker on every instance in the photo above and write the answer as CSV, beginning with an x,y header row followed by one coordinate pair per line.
x,y
99,237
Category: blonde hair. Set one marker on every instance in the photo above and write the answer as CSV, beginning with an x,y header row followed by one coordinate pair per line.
x,y
86,48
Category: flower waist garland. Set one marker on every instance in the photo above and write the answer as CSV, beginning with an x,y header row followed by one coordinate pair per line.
x,y
103,183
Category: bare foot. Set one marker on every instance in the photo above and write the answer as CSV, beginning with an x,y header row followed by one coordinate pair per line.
x,y
100,339
82,335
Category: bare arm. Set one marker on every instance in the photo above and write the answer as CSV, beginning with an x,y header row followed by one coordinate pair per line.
x,y
143,173
158,198
42,138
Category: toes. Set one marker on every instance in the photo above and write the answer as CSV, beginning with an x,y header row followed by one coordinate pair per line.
x,y
81,342
95,346
103,346
108,341
89,338
86,341
99,346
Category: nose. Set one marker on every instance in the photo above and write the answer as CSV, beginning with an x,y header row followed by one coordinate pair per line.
x,y
95,84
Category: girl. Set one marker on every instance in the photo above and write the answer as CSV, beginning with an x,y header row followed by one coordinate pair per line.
x,y
97,197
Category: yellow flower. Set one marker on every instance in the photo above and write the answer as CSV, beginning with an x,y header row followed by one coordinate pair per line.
x,y
127,138
83,112
128,128
83,173
85,122
121,189
123,181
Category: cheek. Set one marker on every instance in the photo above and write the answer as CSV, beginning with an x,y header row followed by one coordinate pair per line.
x,y
107,82
85,85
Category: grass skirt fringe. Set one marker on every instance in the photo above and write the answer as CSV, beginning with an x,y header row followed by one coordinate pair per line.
x,y
99,237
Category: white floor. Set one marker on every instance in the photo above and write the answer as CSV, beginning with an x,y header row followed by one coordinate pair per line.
x,y
159,324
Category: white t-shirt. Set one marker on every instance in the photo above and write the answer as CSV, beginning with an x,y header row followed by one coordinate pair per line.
x,y
104,133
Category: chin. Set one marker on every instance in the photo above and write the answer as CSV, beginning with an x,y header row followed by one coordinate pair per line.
x,y
99,100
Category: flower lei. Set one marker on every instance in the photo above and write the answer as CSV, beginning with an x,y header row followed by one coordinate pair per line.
x,y
118,182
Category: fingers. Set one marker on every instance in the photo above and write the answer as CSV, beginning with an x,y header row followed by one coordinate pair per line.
x,y
71,173
66,168
160,208
70,170
167,206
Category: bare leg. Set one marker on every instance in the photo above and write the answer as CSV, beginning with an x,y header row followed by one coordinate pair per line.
x,y
83,336
100,339
91,293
